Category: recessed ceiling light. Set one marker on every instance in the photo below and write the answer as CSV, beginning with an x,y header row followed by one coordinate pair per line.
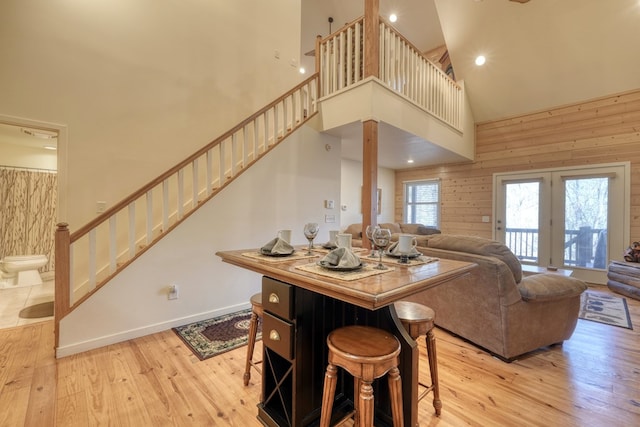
x,y
410,161
50,147
480,60
302,70
393,17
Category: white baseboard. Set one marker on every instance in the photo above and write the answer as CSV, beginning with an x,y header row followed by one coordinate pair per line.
x,y
79,347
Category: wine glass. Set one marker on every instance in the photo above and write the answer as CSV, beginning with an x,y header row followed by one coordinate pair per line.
x,y
368,232
310,232
381,238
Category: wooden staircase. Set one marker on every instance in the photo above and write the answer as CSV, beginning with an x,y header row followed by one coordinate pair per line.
x,y
90,257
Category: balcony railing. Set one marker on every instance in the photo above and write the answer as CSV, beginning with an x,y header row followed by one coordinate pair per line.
x,y
585,247
402,68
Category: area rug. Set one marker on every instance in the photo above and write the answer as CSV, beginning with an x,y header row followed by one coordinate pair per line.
x,y
211,337
604,308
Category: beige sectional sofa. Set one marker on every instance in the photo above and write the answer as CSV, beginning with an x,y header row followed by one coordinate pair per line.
x,y
494,306
418,230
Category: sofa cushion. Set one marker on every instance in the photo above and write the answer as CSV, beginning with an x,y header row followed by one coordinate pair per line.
x,y
418,229
393,226
479,246
549,286
427,231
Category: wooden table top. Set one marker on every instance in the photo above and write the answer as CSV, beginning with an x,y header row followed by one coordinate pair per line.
x,y
369,292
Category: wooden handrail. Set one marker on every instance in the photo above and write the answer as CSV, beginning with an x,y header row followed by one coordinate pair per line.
x,y
341,29
344,59
391,27
231,154
140,192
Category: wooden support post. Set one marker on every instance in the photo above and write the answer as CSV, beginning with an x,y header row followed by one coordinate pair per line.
x,y
369,177
371,38
62,295
370,127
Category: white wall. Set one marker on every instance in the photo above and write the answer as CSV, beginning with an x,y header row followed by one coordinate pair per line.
x,y
285,189
140,84
351,190
26,157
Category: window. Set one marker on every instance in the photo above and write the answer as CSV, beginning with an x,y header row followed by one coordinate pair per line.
x,y
422,202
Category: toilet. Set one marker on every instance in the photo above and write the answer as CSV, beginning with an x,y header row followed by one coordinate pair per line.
x,y
21,270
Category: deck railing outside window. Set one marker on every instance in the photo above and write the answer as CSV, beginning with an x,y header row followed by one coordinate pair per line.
x,y
585,247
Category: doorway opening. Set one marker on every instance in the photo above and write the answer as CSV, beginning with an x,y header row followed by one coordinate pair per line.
x,y
574,218
30,192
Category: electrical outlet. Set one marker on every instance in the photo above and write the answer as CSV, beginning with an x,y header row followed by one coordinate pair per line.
x,y
173,292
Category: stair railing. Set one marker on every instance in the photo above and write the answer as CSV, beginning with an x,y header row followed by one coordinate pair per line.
x,y
402,68
91,256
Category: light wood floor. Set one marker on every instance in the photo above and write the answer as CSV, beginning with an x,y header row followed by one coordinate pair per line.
x,y
592,380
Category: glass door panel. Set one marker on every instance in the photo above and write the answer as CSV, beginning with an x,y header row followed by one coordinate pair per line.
x,y
570,218
586,219
522,219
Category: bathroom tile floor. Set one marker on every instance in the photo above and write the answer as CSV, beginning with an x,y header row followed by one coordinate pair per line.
x,y
14,300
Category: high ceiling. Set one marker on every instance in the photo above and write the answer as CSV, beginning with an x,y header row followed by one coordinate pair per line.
x,y
540,54
543,53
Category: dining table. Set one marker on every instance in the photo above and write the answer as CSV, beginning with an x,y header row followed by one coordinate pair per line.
x,y
304,300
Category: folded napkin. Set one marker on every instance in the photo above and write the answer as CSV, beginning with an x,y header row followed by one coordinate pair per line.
x,y
393,249
277,246
341,257
330,245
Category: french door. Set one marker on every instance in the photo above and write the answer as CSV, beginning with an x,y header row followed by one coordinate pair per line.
x,y
576,218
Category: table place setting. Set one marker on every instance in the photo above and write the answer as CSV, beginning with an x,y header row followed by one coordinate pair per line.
x,y
403,252
403,255
279,249
342,263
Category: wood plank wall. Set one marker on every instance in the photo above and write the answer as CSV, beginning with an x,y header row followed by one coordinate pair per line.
x,y
603,130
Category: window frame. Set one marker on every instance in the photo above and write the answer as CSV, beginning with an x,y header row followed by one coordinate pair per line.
x,y
406,203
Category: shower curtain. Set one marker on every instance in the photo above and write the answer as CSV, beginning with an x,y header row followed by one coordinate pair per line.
x,y
28,213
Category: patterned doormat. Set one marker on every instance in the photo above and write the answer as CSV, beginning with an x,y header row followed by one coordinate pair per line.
x,y
208,338
605,308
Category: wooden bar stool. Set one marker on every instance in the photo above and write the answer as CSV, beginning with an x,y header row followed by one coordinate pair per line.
x,y
418,320
256,315
366,353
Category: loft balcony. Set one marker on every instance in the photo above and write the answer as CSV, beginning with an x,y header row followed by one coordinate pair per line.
x,y
422,113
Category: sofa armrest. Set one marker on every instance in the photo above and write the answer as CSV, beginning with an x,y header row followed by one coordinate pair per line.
x,y
549,286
